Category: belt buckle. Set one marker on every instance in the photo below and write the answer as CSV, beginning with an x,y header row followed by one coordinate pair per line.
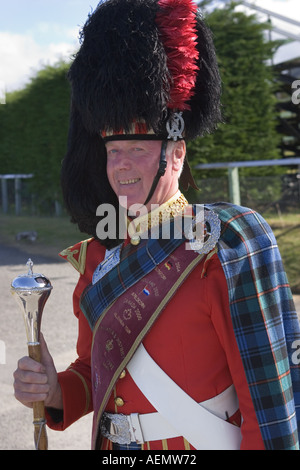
x,y
115,427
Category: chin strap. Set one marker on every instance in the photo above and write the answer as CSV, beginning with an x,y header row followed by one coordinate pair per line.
x,y
161,170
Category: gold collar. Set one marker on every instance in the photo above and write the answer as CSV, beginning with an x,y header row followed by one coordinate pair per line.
x,y
163,213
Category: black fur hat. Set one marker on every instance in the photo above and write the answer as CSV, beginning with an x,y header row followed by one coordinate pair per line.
x,y
140,61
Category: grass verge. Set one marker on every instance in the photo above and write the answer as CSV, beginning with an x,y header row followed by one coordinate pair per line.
x,y
55,234
287,231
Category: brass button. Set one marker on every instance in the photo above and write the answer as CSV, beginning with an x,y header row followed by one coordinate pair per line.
x,y
135,240
123,374
119,401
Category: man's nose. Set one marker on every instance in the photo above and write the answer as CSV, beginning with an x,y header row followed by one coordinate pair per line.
x,y
123,161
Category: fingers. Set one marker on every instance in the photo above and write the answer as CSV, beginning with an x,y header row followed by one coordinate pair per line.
x,y
30,382
28,364
46,357
38,381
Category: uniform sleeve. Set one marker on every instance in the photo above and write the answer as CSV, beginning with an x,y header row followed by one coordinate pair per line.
x,y
75,382
217,297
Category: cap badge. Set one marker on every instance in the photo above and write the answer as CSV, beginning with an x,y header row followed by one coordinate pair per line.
x,y
175,126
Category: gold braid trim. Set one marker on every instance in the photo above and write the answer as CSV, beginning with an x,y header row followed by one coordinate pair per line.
x,y
86,389
167,211
208,257
70,253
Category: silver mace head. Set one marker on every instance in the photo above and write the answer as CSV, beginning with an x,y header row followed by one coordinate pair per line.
x,y
31,292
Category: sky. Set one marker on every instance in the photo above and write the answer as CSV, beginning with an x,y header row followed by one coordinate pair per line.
x,y
35,33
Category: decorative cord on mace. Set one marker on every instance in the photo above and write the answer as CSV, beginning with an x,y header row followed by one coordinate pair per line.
x,y
31,292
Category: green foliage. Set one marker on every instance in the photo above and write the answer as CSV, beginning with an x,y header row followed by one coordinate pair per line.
x,y
33,132
248,100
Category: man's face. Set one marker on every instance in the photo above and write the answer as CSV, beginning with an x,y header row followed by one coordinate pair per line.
x,y
132,166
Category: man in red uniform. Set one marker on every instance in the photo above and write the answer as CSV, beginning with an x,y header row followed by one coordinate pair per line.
x,y
186,339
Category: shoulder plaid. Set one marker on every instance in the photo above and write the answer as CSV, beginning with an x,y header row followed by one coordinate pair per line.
x,y
264,319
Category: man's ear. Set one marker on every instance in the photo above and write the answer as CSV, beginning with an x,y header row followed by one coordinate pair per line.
x,y
179,152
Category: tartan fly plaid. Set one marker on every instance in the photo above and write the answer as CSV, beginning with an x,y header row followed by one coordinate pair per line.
x,y
264,319
131,446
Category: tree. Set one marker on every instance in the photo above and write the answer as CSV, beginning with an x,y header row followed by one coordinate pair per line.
x,y
33,133
248,101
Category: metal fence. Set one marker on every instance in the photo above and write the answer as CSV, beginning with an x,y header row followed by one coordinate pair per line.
x,y
278,193
17,198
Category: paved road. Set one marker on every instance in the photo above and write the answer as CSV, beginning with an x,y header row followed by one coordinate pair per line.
x,y
60,330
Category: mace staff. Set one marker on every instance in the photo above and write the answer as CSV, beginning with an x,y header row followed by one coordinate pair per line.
x,y
31,292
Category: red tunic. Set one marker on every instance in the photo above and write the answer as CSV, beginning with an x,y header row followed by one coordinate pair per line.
x,y
192,341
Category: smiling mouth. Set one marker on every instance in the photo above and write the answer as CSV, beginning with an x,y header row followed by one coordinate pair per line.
x,y
131,181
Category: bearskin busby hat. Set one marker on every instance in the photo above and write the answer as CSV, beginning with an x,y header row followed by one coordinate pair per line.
x,y
147,69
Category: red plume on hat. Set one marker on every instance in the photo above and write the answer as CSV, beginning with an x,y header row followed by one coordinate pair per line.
x,y
141,61
176,21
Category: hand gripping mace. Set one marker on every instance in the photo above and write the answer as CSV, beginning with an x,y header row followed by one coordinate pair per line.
x,y
31,292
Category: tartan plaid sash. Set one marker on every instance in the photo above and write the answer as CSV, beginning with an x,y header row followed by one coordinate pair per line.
x,y
264,319
135,263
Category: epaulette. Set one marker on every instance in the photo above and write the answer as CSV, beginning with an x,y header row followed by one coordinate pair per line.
x,y
76,255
